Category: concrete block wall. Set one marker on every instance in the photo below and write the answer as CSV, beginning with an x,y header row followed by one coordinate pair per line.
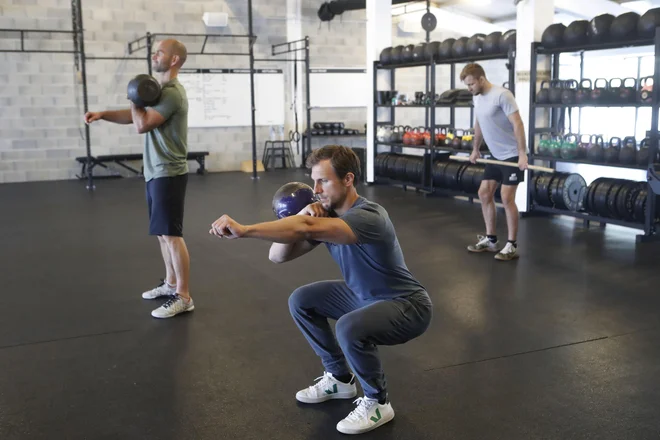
x,y
41,116
335,44
41,125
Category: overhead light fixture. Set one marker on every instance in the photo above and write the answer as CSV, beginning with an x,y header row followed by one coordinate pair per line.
x,y
215,19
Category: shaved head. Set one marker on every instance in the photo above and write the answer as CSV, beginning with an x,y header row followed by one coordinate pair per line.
x,y
168,54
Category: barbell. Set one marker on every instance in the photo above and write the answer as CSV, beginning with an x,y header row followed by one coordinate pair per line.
x,y
501,162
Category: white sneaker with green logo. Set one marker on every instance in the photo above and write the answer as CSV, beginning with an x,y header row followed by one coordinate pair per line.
x,y
327,388
368,416
483,245
510,252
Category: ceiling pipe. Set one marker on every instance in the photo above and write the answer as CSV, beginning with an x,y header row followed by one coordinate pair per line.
x,y
328,10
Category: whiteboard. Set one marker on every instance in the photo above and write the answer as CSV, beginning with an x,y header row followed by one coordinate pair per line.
x,y
221,97
339,88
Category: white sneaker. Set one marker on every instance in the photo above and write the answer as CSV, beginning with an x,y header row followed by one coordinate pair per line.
x,y
483,245
173,307
509,252
163,289
368,415
327,388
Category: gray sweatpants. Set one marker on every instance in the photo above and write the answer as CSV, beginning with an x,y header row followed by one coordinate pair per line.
x,y
361,327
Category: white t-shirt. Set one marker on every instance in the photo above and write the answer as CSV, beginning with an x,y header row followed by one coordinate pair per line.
x,y
492,110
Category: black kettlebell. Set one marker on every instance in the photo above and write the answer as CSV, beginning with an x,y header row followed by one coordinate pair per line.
x,y
543,96
615,85
569,93
643,153
595,150
612,151
556,90
583,93
599,95
628,91
583,146
144,90
628,152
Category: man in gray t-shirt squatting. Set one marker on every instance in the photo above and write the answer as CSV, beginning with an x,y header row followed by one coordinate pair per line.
x,y
379,302
498,123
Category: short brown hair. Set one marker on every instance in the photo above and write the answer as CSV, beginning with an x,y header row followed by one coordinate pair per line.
x,y
343,160
474,70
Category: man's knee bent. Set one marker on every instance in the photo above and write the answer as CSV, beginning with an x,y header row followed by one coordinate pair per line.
x,y
487,192
348,329
301,298
509,196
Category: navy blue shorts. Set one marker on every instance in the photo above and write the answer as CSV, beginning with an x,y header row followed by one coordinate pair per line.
x,y
165,199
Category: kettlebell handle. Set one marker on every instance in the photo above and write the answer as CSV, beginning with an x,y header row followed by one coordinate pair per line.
x,y
587,80
643,81
630,139
607,86
627,80
612,82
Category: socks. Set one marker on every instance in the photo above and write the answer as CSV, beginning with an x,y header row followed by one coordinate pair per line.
x,y
514,243
492,238
382,401
170,285
344,379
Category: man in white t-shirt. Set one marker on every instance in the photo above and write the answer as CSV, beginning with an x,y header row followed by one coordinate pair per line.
x,y
498,123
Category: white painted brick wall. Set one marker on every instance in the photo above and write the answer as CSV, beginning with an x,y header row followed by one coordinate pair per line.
x,y
41,102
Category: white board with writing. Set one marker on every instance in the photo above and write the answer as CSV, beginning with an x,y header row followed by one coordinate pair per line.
x,y
221,97
339,88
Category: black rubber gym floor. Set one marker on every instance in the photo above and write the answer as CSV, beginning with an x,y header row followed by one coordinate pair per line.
x,y
561,344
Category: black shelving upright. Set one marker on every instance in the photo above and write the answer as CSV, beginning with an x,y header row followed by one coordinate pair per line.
x,y
649,225
430,123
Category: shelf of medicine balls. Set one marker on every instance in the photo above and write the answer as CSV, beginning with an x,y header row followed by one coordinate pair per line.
x,y
425,172
622,202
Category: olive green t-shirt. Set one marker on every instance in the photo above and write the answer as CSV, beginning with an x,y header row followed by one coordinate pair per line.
x,y
166,146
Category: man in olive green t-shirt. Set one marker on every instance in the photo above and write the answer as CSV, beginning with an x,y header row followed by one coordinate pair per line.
x,y
165,171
